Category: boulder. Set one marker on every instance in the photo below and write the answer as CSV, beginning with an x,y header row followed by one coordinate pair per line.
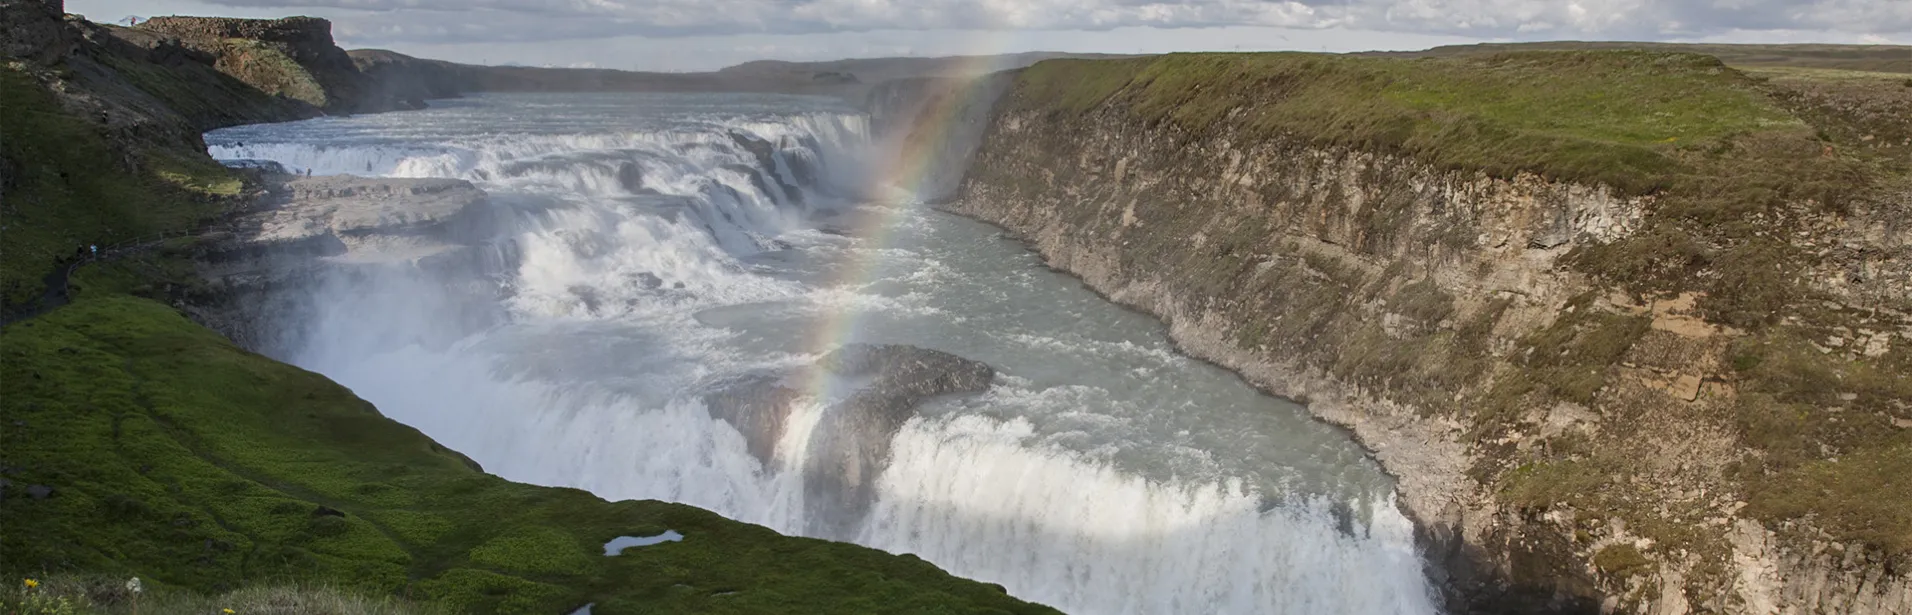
x,y
850,445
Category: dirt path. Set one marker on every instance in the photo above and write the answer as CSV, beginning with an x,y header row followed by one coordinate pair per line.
x,y
59,282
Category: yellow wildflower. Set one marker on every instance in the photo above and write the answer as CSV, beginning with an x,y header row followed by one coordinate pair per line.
x,y
226,611
32,583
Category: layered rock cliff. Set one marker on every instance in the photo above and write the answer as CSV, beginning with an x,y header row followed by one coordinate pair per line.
x,y
1601,389
292,57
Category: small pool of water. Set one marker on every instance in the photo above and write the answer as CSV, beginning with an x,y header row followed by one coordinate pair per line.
x,y
617,545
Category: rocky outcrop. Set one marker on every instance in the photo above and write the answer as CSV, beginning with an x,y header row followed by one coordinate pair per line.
x,y
35,30
934,122
293,57
849,446
306,228
399,77
1420,307
369,218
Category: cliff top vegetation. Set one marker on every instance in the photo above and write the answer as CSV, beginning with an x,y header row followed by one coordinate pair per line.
x,y
176,456
1747,173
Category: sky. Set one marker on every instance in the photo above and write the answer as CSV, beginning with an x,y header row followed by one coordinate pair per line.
x,y
690,35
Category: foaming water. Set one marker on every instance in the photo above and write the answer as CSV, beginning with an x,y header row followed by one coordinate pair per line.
x,y
659,246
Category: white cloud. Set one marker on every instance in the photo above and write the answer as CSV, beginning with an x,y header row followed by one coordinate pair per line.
x,y
444,21
708,34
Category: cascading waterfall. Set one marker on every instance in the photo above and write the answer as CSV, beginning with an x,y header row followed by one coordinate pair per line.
x,y
658,246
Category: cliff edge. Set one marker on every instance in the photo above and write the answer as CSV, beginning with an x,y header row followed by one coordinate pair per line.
x,y
1633,329
137,443
292,57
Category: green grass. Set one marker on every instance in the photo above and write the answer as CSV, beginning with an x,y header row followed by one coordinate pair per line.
x,y
70,186
1616,118
1826,447
201,467
101,595
1892,59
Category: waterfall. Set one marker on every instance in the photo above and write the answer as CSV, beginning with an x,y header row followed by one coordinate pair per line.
x,y
659,246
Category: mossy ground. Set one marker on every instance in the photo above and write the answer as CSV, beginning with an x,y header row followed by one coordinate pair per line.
x,y
270,69
103,595
69,185
177,457
1617,118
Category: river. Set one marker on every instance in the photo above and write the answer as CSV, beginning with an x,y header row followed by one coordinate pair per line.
x,y
654,247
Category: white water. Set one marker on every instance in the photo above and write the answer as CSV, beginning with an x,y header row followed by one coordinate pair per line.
x,y
1102,473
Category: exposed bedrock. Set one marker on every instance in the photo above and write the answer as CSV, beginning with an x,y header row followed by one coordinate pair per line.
x,y
293,57
1394,297
850,444
307,231
937,122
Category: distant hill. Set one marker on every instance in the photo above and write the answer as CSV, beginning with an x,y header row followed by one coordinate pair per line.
x,y
849,79
1872,58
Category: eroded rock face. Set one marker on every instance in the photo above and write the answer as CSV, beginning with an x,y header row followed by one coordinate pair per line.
x,y
1387,294
758,407
850,445
35,30
294,57
308,227
365,219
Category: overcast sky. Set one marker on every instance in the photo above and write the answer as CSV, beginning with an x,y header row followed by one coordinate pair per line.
x,y
707,34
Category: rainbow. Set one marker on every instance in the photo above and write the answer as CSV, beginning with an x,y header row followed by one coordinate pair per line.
x,y
909,157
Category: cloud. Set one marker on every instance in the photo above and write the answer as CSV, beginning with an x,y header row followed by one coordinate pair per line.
x,y
454,21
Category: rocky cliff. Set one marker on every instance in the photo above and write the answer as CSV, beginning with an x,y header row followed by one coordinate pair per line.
x,y
935,124
292,57
101,143
1649,355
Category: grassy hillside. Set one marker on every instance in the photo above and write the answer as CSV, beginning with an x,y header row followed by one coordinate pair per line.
x,y
175,456
1873,58
68,184
134,442
1622,119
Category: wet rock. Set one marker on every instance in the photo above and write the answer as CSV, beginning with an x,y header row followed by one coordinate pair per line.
x,y
630,177
758,407
39,492
327,511
852,442
765,153
264,166
588,297
649,280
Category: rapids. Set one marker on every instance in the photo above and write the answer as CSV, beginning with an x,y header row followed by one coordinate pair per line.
x,y
657,246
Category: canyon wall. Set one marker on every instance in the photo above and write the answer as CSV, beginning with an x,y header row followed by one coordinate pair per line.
x,y
935,124
1565,445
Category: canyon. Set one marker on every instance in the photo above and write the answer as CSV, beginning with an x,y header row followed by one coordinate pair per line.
x,y
1568,442
1658,369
